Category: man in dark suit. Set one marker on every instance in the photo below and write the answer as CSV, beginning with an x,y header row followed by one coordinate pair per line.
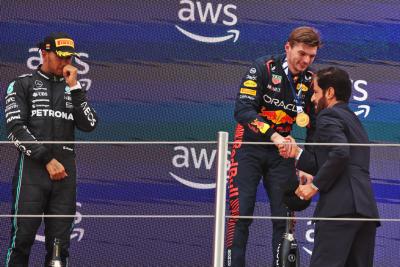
x,y
341,176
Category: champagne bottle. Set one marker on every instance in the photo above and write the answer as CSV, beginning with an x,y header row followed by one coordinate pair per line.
x,y
288,252
56,259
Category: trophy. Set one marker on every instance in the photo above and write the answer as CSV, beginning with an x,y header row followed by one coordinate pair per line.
x,y
288,251
56,259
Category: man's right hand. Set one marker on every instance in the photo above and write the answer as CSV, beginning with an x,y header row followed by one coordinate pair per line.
x,y
56,170
277,139
285,149
70,74
289,149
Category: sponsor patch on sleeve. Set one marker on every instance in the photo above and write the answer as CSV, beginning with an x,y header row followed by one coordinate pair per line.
x,y
10,88
250,83
248,91
261,126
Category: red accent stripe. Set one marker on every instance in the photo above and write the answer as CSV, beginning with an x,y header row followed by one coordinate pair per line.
x,y
267,65
233,190
234,194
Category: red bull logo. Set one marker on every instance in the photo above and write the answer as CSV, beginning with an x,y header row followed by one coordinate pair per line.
x,y
277,116
261,126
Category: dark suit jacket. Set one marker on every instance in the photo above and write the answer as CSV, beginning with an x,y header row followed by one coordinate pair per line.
x,y
341,172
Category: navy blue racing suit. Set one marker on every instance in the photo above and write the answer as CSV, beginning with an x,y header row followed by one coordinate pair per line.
x,y
41,107
264,105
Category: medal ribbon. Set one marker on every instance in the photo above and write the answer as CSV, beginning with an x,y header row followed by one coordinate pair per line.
x,y
297,97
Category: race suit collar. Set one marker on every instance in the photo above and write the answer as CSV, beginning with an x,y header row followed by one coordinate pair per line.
x,y
50,77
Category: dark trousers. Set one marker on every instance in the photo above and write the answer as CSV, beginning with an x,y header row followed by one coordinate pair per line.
x,y
35,194
250,164
344,243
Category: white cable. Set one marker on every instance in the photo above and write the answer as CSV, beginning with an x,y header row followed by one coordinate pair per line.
x,y
316,218
322,144
118,216
197,142
113,142
107,216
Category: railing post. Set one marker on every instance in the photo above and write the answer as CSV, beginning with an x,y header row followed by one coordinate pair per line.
x,y
220,200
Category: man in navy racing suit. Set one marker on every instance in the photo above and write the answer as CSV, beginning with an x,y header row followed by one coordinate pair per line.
x,y
45,106
274,93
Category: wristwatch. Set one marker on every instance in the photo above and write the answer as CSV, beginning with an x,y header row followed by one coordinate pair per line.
x,y
298,154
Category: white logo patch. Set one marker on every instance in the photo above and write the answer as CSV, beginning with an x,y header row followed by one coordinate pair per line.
x,y
207,13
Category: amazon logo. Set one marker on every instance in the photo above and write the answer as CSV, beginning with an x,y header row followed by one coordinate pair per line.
x,y
309,236
194,167
196,11
77,232
360,94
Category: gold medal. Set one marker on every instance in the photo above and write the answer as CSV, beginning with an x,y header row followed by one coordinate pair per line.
x,y
302,119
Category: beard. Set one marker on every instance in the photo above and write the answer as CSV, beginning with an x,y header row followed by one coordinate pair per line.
x,y
322,104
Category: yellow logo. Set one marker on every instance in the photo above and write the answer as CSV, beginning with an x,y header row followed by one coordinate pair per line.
x,y
261,126
248,91
250,83
303,87
65,42
64,54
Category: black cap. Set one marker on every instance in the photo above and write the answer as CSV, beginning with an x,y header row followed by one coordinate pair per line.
x,y
292,201
60,43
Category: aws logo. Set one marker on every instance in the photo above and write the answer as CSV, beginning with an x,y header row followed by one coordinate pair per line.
x,y
202,159
361,95
77,232
309,236
210,14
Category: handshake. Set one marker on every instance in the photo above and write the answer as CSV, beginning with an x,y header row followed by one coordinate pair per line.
x,y
286,145
289,149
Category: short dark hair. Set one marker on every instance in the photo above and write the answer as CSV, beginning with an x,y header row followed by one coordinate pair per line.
x,y
338,79
307,35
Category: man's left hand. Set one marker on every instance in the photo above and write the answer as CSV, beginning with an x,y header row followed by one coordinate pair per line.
x,y
306,191
305,178
70,74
